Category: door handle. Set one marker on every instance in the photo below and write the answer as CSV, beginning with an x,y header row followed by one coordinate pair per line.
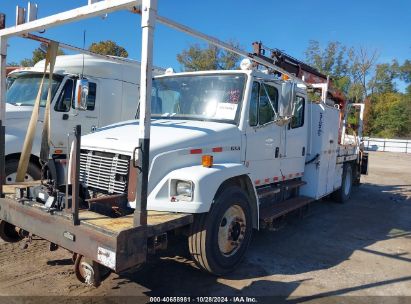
x,y
93,128
65,117
277,151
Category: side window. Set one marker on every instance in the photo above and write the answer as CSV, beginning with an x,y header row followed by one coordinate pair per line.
x,y
91,99
273,93
65,98
253,112
265,111
298,118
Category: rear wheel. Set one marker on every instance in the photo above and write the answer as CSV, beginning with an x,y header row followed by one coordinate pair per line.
x,y
8,233
219,239
343,194
33,172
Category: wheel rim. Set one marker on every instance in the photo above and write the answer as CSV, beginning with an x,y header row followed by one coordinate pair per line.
x,y
84,271
347,182
11,178
231,230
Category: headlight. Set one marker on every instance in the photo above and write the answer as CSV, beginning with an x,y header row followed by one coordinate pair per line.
x,y
184,188
181,190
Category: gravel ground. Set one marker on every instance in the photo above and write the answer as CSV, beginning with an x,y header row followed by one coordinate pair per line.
x,y
362,248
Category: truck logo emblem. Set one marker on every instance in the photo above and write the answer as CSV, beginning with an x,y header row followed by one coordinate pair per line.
x,y
69,235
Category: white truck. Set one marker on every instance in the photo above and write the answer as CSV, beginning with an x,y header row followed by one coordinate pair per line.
x,y
224,148
229,152
113,90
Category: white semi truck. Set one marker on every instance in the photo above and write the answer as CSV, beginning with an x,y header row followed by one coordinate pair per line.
x,y
113,91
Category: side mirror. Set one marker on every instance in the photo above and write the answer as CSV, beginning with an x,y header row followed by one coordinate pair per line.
x,y
82,89
286,103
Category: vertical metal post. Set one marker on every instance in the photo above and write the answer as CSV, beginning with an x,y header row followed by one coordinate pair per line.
x,y
3,58
148,19
75,163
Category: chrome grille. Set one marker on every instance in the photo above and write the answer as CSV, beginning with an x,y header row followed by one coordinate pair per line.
x,y
106,172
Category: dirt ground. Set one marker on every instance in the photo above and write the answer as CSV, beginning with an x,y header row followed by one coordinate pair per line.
x,y
359,248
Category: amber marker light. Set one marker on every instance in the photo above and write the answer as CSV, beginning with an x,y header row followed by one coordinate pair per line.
x,y
285,77
207,161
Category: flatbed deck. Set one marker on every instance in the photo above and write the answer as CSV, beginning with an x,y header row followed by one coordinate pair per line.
x,y
113,242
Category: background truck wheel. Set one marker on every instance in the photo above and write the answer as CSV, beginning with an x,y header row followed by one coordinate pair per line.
x,y
219,239
33,171
8,233
343,194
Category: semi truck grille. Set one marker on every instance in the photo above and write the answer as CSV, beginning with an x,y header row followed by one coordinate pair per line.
x,y
106,172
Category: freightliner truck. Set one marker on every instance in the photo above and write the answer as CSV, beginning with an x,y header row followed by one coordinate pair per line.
x,y
230,152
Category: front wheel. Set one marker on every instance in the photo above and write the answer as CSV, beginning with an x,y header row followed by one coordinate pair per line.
x,y
219,239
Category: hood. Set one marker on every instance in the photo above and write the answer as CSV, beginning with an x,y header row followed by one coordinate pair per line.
x,y
18,112
165,135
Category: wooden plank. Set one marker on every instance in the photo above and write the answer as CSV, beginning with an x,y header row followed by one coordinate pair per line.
x,y
11,188
157,221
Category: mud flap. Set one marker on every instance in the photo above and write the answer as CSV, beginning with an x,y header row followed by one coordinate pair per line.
x,y
364,163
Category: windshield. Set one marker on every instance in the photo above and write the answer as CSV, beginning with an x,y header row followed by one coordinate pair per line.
x,y
198,97
23,89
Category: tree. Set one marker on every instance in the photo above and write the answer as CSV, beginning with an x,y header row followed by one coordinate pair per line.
x,y
13,64
391,115
38,55
364,61
108,47
383,80
333,61
198,58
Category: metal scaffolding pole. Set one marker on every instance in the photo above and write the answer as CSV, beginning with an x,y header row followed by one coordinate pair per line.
x,y
3,58
148,20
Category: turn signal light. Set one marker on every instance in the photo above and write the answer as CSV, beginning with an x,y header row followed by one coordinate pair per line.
x,y
285,77
207,161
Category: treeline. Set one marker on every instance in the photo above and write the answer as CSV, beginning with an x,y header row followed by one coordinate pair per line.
x,y
357,73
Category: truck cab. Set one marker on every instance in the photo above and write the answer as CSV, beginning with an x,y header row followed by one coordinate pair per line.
x,y
232,116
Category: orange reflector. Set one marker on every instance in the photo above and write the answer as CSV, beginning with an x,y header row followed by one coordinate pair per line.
x,y
58,151
207,161
285,77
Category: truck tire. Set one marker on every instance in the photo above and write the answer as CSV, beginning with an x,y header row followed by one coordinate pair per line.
x,y
219,239
33,171
343,194
8,232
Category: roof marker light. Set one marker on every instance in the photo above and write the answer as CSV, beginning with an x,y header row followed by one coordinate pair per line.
x,y
169,71
246,64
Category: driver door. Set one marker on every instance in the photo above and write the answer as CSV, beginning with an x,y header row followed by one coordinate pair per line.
x,y
263,135
63,116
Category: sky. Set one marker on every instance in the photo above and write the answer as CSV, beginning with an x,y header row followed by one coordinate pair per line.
x,y
287,25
